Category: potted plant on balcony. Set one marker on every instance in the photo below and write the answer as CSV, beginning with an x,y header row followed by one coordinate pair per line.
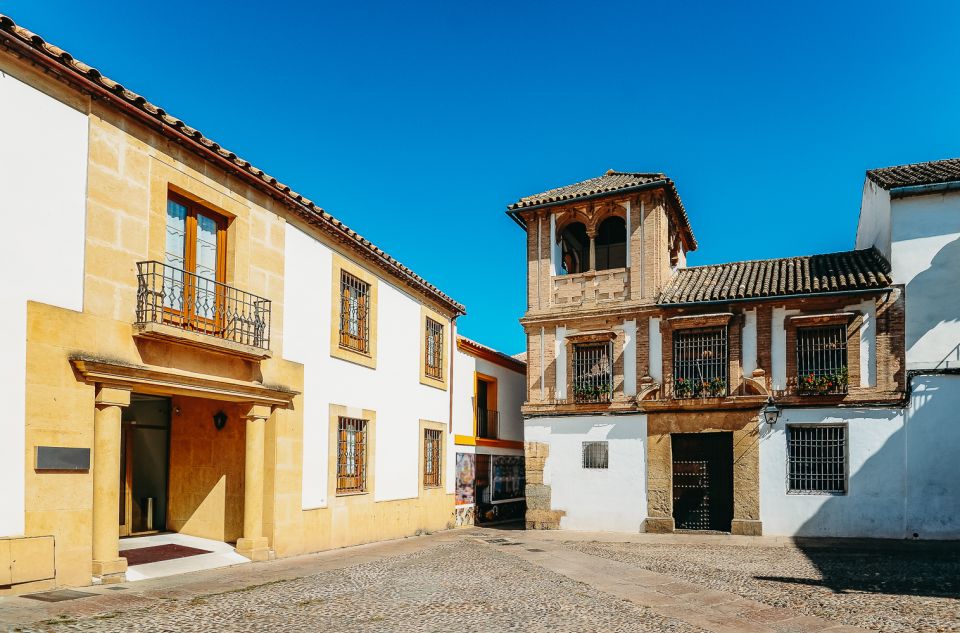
x,y
833,382
682,388
718,387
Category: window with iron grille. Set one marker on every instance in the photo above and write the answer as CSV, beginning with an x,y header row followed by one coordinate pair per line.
x,y
354,308
433,349
431,457
596,454
700,363
352,455
822,359
592,372
817,459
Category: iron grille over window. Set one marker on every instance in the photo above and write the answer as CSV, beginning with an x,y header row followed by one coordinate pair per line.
x,y
700,363
592,372
596,454
352,455
354,308
822,359
431,457
434,349
487,422
817,459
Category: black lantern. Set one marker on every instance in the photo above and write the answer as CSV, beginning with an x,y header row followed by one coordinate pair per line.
x,y
219,420
771,412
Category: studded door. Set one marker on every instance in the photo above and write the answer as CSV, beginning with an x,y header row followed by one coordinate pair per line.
x,y
702,481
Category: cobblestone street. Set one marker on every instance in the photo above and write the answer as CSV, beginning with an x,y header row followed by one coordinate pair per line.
x,y
486,580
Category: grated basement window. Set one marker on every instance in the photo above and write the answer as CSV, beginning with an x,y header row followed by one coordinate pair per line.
x,y
592,372
822,360
354,309
700,363
433,349
596,455
431,457
351,455
817,459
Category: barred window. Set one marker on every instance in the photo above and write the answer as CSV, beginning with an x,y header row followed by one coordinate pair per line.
x,y
596,454
431,457
817,459
354,308
822,359
700,363
352,455
433,349
592,372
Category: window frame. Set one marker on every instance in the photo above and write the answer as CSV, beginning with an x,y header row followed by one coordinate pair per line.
x,y
360,461
595,462
692,391
188,314
598,397
840,374
432,460
789,461
350,284
433,332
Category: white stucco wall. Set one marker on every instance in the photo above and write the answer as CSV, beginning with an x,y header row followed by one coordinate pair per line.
x,y
902,479
43,179
778,348
749,342
655,350
612,499
873,228
630,358
926,258
560,363
511,393
393,389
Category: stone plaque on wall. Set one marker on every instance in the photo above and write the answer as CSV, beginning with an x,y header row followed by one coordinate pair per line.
x,y
62,458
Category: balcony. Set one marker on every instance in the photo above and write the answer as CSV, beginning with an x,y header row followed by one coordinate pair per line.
x,y
173,304
488,422
591,287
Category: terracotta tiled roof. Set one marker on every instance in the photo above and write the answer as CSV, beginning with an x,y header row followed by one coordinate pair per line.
x,y
87,78
810,275
931,173
479,349
609,183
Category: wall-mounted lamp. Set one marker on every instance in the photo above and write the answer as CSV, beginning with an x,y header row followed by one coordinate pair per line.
x,y
771,412
219,420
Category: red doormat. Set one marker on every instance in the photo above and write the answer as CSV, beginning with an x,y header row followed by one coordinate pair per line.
x,y
156,553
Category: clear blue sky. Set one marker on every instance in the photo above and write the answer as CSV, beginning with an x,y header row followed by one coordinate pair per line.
x,y
417,123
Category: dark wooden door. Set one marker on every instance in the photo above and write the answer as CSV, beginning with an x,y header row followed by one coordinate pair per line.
x,y
702,481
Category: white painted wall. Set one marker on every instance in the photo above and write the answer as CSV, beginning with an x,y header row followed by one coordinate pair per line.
x,y
43,180
393,389
511,393
926,259
560,363
902,471
873,228
868,341
630,357
609,500
749,342
778,347
655,350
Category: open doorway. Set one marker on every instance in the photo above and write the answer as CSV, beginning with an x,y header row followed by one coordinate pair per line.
x,y
144,465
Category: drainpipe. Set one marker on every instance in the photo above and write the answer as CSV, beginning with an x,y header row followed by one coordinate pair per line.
x,y
453,353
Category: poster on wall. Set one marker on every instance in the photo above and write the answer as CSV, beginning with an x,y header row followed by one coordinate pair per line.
x,y
508,477
465,477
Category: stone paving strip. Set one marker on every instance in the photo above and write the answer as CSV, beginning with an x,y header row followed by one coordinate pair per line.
x,y
890,587
690,602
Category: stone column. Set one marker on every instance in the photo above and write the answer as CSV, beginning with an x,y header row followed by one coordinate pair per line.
x,y
107,564
254,545
592,234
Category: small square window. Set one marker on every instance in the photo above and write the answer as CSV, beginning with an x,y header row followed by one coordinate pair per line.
x,y
596,454
817,459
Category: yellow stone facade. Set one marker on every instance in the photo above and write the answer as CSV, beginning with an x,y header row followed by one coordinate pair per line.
x,y
242,483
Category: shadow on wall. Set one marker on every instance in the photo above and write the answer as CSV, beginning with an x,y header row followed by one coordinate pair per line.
x,y
911,485
939,283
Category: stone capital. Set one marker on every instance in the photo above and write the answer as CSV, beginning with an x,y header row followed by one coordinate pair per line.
x,y
108,396
257,412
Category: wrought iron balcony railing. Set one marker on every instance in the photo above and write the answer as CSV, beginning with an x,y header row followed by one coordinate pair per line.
x,y
184,300
488,422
